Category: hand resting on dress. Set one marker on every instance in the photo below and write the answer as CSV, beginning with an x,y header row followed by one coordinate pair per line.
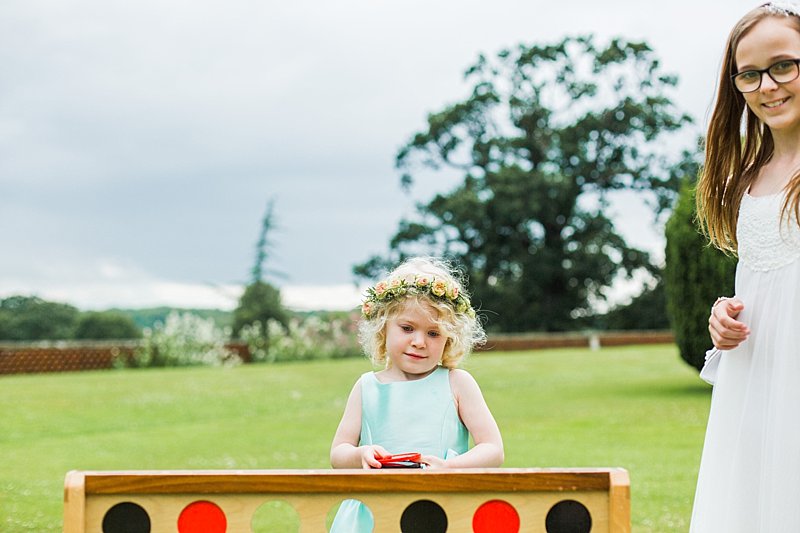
x,y
727,332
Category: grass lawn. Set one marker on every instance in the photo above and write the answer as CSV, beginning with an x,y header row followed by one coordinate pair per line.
x,y
636,407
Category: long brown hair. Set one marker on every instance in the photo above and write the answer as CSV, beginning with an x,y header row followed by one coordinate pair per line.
x,y
733,160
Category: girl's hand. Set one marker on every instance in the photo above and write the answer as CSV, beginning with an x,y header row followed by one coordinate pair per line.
x,y
369,454
345,451
431,461
727,332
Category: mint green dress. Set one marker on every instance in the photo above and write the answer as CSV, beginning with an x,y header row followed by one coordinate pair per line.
x,y
405,416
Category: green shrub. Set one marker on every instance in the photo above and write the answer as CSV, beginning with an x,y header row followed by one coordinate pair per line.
x,y
106,325
695,275
311,338
260,302
184,340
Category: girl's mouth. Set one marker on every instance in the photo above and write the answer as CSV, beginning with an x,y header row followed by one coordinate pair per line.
x,y
777,103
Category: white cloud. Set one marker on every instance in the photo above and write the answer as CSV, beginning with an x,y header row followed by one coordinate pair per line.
x,y
105,294
108,283
314,297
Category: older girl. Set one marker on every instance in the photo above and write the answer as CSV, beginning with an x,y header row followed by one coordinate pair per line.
x,y
748,200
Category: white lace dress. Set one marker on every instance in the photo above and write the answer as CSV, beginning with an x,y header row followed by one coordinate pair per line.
x,y
749,479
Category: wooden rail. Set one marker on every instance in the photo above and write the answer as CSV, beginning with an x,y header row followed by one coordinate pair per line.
x,y
161,498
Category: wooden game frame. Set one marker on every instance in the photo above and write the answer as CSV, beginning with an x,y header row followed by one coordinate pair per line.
x,y
604,491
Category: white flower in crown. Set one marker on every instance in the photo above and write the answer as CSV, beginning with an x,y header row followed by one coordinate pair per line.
x,y
409,279
422,281
395,282
782,8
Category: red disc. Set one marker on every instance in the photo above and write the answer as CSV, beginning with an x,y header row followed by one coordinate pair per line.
x,y
496,516
202,517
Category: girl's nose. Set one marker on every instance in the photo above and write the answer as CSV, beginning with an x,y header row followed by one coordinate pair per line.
x,y
767,83
418,340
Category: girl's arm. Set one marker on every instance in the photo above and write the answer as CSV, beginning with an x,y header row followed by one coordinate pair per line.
x,y
472,408
345,451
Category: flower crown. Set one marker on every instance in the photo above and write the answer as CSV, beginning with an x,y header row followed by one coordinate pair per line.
x,y
430,286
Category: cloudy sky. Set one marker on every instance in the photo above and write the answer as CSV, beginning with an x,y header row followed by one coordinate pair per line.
x,y
141,141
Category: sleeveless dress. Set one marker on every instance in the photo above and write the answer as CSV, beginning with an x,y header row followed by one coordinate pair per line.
x,y
404,416
749,480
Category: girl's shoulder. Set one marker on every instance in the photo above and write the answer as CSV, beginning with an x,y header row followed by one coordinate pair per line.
x,y
459,373
359,385
461,379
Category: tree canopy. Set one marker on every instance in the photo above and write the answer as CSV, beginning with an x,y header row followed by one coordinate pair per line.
x,y
546,133
260,303
264,244
30,318
97,325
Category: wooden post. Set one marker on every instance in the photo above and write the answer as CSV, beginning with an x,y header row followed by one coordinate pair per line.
x,y
74,503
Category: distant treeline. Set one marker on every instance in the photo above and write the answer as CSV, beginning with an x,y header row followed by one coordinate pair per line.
x,y
149,317
30,318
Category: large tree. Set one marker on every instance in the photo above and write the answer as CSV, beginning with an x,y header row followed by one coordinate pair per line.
x,y
543,137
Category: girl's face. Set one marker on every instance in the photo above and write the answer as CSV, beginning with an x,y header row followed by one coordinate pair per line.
x,y
414,343
768,42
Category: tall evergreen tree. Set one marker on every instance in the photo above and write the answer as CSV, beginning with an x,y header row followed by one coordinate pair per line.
x,y
261,301
695,274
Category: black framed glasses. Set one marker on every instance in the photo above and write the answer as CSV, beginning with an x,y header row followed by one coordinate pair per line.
x,y
783,71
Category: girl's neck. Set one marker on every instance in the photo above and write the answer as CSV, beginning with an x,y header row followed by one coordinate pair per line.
x,y
784,163
786,146
392,375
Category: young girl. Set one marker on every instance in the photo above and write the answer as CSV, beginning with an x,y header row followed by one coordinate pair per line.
x,y
748,200
418,324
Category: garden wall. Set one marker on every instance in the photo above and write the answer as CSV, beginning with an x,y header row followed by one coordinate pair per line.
x,y
592,339
30,358
70,356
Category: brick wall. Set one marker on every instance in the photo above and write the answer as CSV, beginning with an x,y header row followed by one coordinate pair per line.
x,y
596,339
26,358
30,358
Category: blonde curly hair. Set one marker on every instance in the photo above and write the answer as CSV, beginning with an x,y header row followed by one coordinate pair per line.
x,y
462,328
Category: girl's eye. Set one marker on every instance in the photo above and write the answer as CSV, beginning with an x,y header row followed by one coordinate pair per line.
x,y
434,333
782,67
406,328
749,75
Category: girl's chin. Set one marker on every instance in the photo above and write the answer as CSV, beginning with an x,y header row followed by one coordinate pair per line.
x,y
782,123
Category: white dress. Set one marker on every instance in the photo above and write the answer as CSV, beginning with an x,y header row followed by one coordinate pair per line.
x,y
749,479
